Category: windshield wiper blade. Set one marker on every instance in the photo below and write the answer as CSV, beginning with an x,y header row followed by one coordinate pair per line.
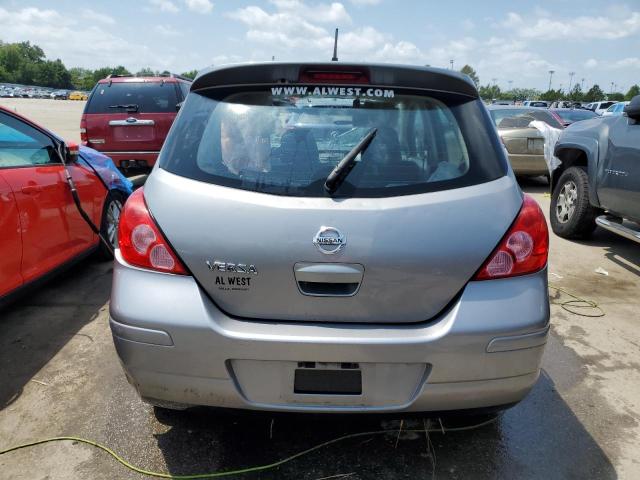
x,y
130,106
344,167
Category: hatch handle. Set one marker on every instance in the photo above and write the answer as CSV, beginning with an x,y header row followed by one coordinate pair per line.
x,y
329,279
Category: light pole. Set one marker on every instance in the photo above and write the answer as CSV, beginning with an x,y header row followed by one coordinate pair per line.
x,y
551,72
451,62
571,74
612,87
510,82
582,84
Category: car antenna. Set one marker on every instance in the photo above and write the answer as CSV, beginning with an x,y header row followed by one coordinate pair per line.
x,y
335,48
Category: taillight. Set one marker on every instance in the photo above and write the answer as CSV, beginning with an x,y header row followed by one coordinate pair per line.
x,y
83,130
525,247
335,76
140,241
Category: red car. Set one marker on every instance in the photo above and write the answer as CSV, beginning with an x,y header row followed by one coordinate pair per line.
x,y
128,118
41,230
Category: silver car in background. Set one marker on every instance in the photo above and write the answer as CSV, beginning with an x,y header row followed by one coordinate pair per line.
x,y
331,238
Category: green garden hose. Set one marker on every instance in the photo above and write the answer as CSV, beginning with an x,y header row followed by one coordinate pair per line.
x,y
576,304
257,468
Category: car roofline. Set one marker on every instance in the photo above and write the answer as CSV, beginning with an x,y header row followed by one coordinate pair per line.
x,y
511,107
144,80
379,74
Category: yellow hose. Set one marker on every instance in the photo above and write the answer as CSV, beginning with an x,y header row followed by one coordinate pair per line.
x,y
576,303
240,471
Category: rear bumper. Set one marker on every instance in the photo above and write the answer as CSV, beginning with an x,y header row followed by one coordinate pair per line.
x,y
149,157
176,346
528,164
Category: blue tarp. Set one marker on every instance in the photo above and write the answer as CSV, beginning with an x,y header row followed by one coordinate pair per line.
x,y
107,170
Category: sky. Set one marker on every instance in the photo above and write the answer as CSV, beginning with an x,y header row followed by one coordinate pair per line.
x,y
508,43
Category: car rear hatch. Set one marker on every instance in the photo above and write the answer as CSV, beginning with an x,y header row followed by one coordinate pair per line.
x,y
130,116
239,195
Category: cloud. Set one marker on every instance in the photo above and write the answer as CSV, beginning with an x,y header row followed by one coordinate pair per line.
x,y
365,2
282,30
167,31
460,50
591,63
93,46
296,30
199,6
334,13
468,24
224,58
629,62
164,6
574,28
94,16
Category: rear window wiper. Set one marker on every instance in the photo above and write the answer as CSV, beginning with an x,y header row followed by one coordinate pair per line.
x,y
344,167
130,107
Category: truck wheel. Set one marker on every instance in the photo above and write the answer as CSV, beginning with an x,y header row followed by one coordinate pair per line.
x,y
109,225
571,215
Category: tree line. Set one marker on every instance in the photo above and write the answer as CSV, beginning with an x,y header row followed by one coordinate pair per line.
x,y
595,93
26,64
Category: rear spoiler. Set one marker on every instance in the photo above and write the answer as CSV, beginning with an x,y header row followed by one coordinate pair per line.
x,y
165,75
397,76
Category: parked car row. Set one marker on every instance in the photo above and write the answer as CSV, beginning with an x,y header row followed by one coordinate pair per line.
x,y
31,92
600,108
17,92
615,109
296,325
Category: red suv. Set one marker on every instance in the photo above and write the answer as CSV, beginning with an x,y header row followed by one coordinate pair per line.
x,y
128,118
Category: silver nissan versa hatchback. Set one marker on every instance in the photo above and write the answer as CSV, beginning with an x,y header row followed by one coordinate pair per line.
x,y
331,238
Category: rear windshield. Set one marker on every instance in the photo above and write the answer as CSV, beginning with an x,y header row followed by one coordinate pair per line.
x,y
286,140
155,97
575,115
522,117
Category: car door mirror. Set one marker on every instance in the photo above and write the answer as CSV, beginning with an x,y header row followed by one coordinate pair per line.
x,y
633,109
179,106
72,150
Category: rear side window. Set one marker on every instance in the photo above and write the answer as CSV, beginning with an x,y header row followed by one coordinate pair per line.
x,y
286,141
148,97
184,88
576,115
522,117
